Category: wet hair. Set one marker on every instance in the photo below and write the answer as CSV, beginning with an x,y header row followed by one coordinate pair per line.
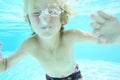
x,y
64,16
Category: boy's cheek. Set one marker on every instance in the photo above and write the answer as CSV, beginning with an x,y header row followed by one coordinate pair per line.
x,y
54,19
35,20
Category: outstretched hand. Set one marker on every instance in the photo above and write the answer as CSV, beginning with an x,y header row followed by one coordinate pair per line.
x,y
106,27
3,61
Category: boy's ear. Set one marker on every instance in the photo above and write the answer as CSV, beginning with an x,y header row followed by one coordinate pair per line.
x,y
27,19
64,18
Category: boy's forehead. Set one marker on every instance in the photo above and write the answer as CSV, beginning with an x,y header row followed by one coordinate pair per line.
x,y
42,3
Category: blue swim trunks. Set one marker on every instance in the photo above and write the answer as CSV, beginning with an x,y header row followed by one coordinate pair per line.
x,y
74,76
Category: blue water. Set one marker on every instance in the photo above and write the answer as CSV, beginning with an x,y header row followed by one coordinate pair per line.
x,y
97,62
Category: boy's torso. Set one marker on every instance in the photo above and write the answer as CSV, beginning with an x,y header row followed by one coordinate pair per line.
x,y
60,63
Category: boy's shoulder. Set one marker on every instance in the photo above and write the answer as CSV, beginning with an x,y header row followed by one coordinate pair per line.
x,y
29,44
72,35
31,38
76,35
30,41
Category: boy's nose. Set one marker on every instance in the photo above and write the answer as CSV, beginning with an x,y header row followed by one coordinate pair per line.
x,y
49,18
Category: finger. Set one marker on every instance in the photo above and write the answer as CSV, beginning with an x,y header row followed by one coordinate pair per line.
x,y
1,62
104,15
1,59
4,60
96,33
102,39
98,19
95,25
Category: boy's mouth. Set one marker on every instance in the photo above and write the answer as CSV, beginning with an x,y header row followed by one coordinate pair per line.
x,y
46,27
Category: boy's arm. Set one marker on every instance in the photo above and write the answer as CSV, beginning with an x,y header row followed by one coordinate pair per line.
x,y
13,59
106,30
2,61
77,36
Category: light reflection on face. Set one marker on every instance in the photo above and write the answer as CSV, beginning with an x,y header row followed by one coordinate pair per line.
x,y
46,20
52,10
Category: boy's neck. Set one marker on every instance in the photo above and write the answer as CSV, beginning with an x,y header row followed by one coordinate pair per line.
x,y
51,43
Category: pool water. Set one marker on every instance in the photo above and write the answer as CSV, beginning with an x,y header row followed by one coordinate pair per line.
x,y
96,62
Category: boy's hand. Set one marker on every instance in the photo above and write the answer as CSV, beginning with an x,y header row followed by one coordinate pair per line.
x,y
106,27
3,64
3,61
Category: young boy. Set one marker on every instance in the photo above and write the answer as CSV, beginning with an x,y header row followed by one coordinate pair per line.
x,y
51,45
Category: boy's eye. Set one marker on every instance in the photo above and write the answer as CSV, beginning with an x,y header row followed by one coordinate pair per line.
x,y
54,11
36,13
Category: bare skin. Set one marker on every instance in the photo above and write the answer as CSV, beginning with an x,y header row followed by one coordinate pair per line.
x,y
56,54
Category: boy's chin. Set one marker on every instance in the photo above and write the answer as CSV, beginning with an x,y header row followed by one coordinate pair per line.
x,y
47,35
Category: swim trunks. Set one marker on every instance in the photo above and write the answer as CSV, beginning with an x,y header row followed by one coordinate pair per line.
x,y
74,76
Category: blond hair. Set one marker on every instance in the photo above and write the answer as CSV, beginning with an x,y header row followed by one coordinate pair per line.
x,y
63,16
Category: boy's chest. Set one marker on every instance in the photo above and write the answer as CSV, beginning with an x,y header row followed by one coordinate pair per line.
x,y
55,54
61,59
60,55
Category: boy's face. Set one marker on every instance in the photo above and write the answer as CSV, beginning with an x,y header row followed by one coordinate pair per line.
x,y
44,16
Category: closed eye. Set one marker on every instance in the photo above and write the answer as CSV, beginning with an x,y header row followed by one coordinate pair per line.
x,y
36,13
54,11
